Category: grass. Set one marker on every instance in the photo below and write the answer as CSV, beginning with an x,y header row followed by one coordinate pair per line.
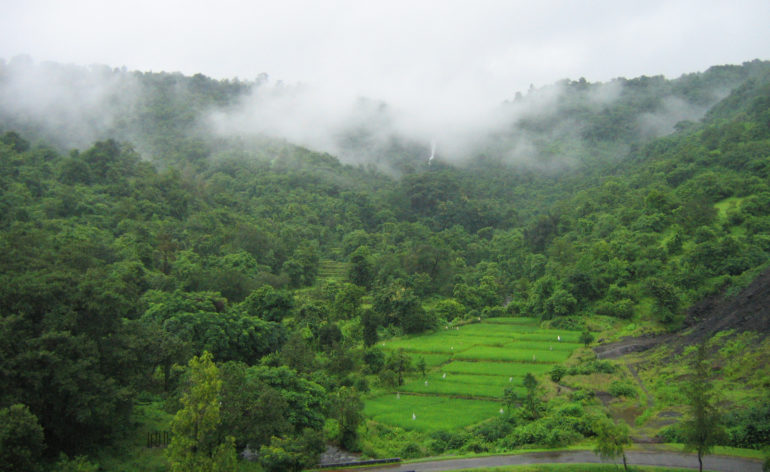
x,y
435,343
513,355
480,360
540,345
506,369
431,360
432,413
465,385
728,204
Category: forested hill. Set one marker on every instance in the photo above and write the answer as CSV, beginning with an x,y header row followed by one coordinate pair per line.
x,y
602,208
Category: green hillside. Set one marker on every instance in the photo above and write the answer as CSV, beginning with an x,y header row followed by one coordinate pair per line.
x,y
321,286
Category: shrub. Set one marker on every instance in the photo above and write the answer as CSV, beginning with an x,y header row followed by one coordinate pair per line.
x,y
558,372
621,389
623,309
573,323
493,430
493,312
559,437
411,450
582,395
476,445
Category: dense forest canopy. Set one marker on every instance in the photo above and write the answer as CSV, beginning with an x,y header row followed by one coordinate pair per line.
x,y
140,229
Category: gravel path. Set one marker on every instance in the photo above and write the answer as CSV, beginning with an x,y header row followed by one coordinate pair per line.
x,y
665,459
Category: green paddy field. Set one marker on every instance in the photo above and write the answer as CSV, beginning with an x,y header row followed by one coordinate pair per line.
x,y
468,368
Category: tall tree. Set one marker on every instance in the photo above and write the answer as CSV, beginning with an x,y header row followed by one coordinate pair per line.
x,y
195,446
703,427
611,439
348,409
530,383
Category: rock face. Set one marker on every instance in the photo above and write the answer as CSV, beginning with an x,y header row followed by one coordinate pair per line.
x,y
746,311
335,455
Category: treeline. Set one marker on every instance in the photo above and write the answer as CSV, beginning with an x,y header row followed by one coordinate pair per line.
x,y
116,271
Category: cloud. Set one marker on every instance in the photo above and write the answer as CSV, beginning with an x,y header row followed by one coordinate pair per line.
x,y
72,106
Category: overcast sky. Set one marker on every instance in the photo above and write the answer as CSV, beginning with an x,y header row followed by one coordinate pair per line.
x,y
425,53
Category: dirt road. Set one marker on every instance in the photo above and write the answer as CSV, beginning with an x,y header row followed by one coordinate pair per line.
x,y
656,458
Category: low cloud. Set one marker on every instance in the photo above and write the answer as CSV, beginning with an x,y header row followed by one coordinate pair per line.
x,y
70,106
548,128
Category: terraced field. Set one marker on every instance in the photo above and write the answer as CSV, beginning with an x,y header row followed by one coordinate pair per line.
x,y
468,368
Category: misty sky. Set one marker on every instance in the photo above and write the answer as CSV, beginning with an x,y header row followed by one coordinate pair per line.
x,y
414,50
441,64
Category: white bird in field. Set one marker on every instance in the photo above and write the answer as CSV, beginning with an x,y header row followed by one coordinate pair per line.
x,y
558,338
414,417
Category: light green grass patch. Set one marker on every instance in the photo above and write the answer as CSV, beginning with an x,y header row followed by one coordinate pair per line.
x,y
543,345
432,413
512,355
465,385
493,330
431,360
459,389
505,369
728,204
434,343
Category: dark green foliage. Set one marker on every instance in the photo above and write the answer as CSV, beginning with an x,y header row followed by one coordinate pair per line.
x,y
13,140
305,399
400,365
268,303
329,336
749,427
666,296
347,409
251,411
369,322
202,319
362,268
292,455
21,439
586,337
531,401
398,305
374,359
558,372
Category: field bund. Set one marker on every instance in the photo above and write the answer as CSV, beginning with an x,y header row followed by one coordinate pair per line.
x,y
468,368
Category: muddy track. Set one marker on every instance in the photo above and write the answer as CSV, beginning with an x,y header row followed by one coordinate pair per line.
x,y
661,459
635,374
629,345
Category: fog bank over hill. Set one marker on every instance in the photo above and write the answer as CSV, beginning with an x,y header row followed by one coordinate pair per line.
x,y
550,127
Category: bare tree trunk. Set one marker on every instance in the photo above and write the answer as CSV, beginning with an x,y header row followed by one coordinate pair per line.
x,y
700,461
625,466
